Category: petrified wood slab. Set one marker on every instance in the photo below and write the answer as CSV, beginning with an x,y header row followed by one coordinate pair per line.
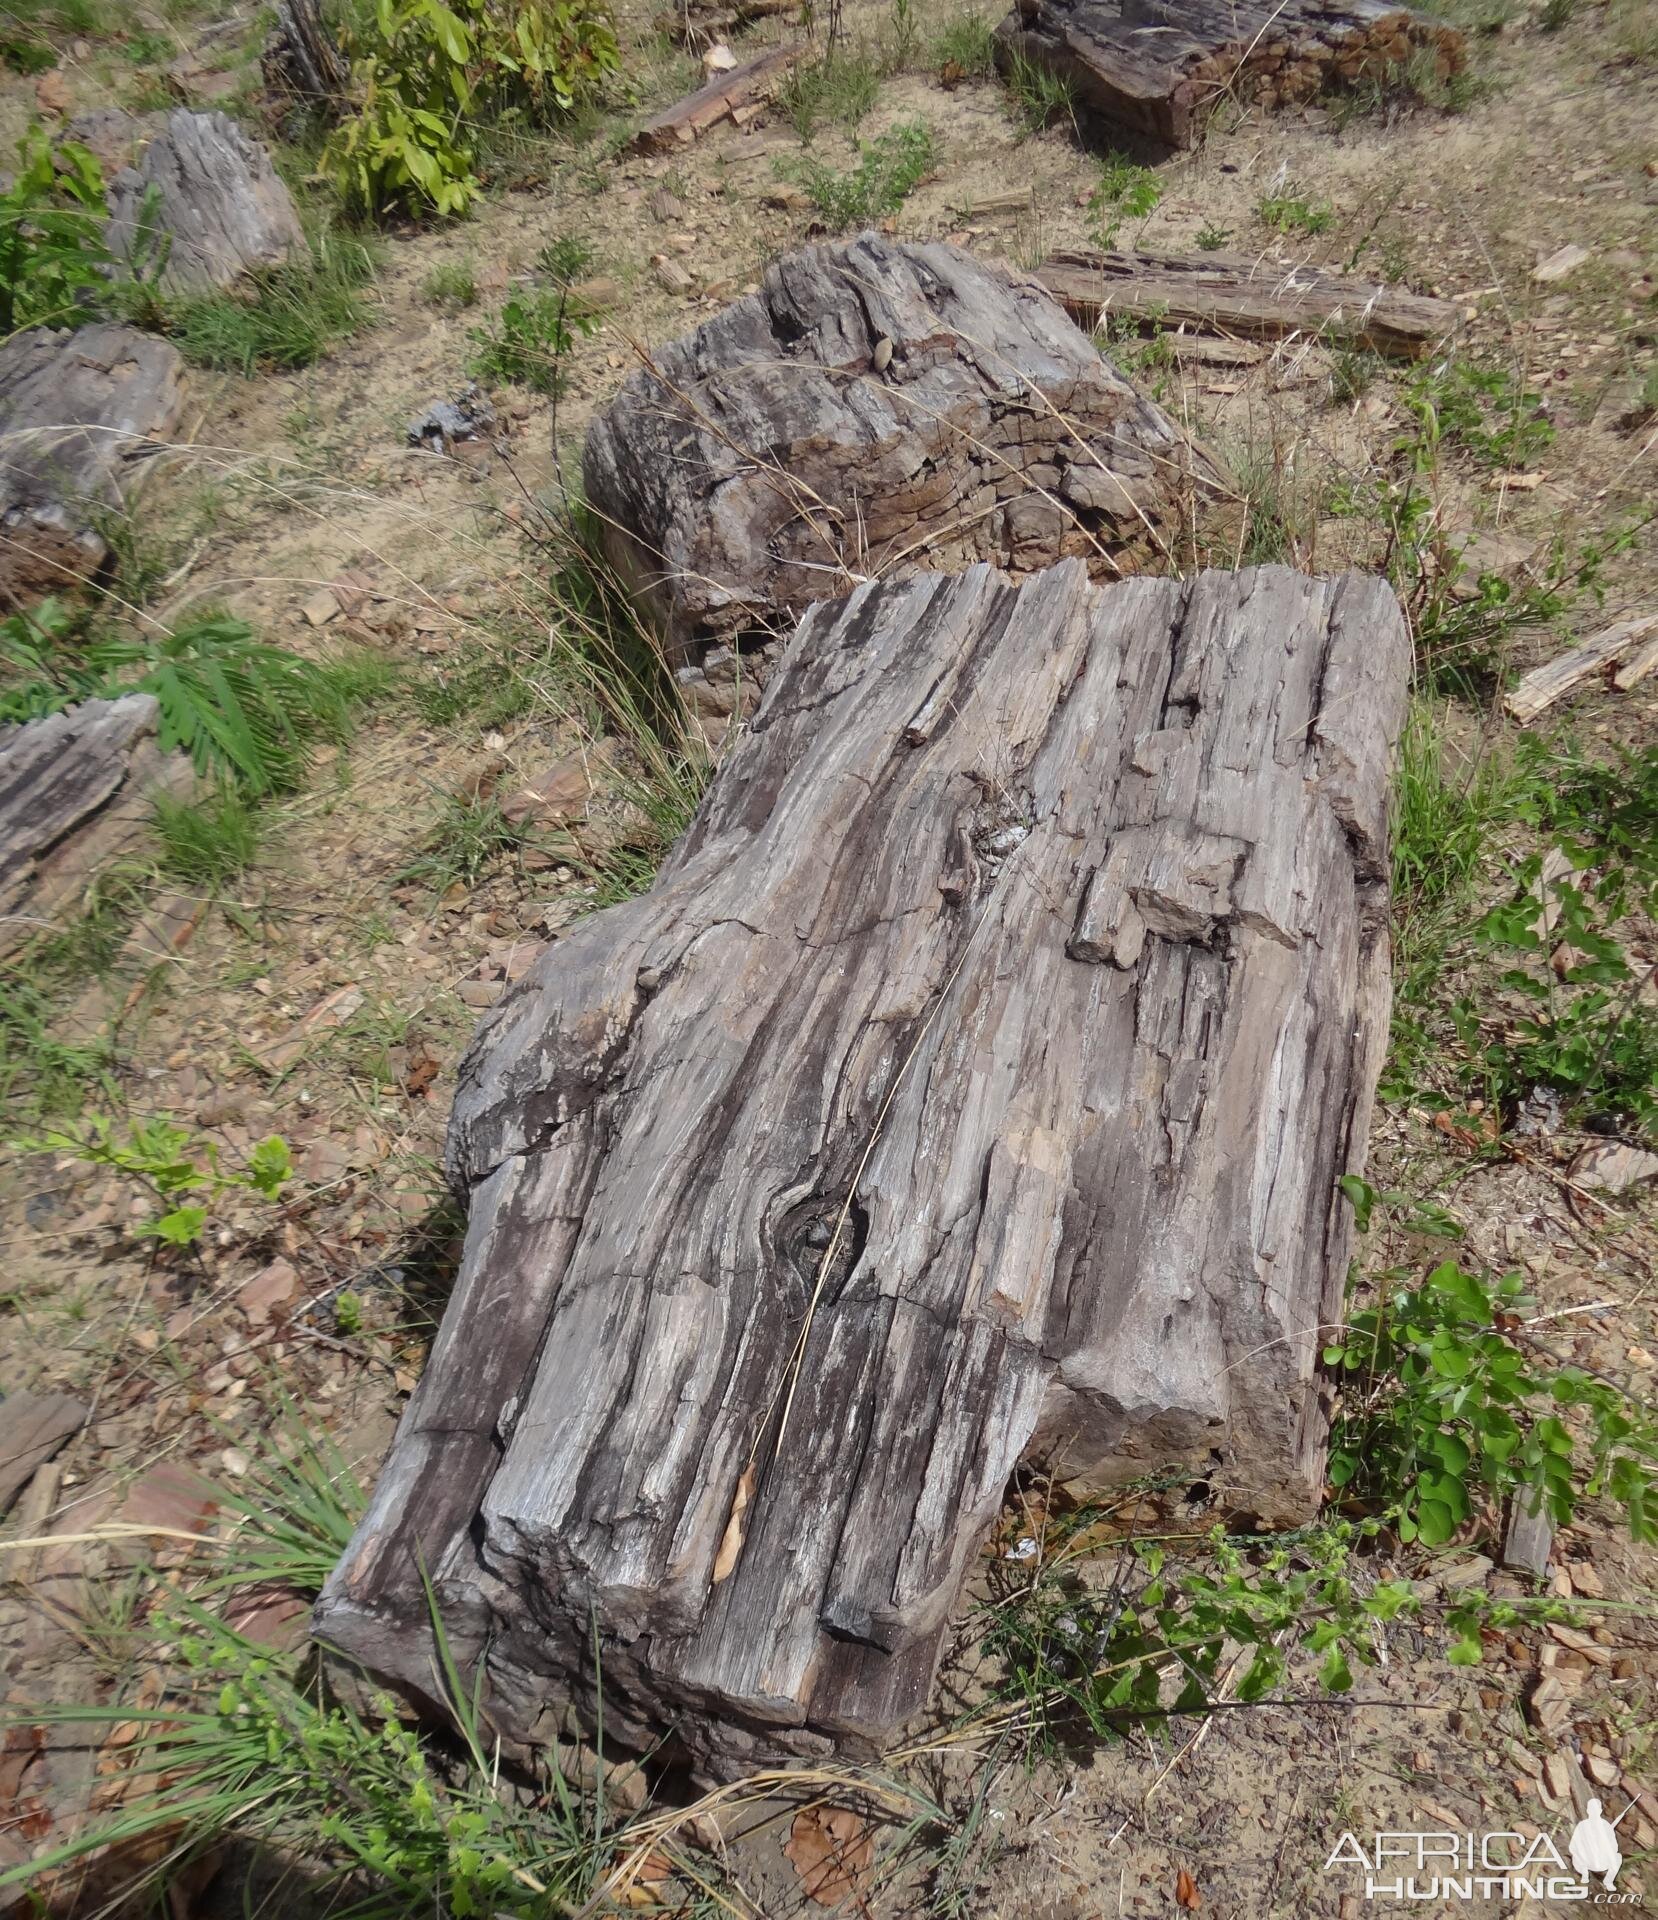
x,y
875,408
76,409
76,792
680,124
972,1085
1250,298
1154,70
222,207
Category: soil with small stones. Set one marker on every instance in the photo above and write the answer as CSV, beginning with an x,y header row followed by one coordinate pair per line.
x,y
325,995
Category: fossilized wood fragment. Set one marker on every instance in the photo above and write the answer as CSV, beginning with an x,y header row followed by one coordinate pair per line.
x,y
76,411
76,792
972,1086
876,408
1154,70
218,203
1253,299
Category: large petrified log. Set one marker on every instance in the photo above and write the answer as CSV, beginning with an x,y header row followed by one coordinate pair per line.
x,y
76,791
215,201
1154,70
875,407
76,409
972,1085
1250,298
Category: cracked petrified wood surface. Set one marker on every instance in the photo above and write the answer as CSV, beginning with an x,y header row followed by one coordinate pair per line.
x,y
876,408
972,1085
1154,70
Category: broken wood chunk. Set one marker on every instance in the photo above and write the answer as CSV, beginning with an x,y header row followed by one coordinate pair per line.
x,y
1153,71
32,1428
971,1087
76,410
1249,298
679,125
1629,649
220,209
76,792
876,408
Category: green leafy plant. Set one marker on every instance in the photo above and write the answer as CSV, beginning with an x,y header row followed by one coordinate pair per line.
x,y
1210,238
1480,409
889,169
238,706
424,71
527,341
1123,192
182,1171
1448,1409
53,260
1290,213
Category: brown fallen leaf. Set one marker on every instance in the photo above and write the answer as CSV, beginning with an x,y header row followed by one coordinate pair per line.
x,y
832,1851
1185,1892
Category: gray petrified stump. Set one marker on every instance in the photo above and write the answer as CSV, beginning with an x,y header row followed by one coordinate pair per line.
x,y
76,411
971,1087
1154,70
217,203
877,408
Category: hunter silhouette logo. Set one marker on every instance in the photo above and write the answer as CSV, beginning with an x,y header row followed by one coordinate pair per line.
x,y
1594,1848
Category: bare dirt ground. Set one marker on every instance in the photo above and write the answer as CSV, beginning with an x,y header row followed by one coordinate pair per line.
x,y
326,994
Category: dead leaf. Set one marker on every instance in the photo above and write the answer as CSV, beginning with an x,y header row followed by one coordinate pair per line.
x,y
832,1850
1186,1893
732,1544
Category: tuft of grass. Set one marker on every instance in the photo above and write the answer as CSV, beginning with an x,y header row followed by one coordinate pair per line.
x,y
528,341
469,838
965,47
1280,503
1037,96
43,1076
1210,238
840,89
451,283
1634,29
889,169
1291,213
1353,371
290,318
207,841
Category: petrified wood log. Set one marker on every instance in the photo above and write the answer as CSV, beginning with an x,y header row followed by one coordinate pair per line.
x,y
678,125
76,410
76,792
1253,299
302,60
220,206
972,1085
875,408
1154,70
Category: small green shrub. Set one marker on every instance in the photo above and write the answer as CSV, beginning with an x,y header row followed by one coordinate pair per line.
x,y
1289,213
1447,1411
889,169
527,341
1482,410
1123,192
966,45
53,260
1210,238
181,1170
423,71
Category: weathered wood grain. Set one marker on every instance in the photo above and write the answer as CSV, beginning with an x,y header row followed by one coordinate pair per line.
x,y
1154,70
76,410
76,792
1252,299
1631,644
678,125
876,408
972,1086
220,206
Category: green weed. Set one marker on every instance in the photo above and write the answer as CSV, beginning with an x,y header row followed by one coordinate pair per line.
x,y
468,839
53,260
840,89
452,283
1123,192
1210,238
529,339
966,44
1037,96
1290,213
889,169
208,841
44,1077
289,317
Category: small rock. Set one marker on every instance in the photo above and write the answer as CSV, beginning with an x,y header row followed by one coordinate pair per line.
x,y
1567,260
446,423
666,207
320,608
1613,1167
270,1288
671,275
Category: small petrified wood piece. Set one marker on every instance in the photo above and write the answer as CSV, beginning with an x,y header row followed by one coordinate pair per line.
x,y
76,792
220,207
1250,299
32,1428
876,408
1154,70
679,125
76,410
972,1085
302,60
